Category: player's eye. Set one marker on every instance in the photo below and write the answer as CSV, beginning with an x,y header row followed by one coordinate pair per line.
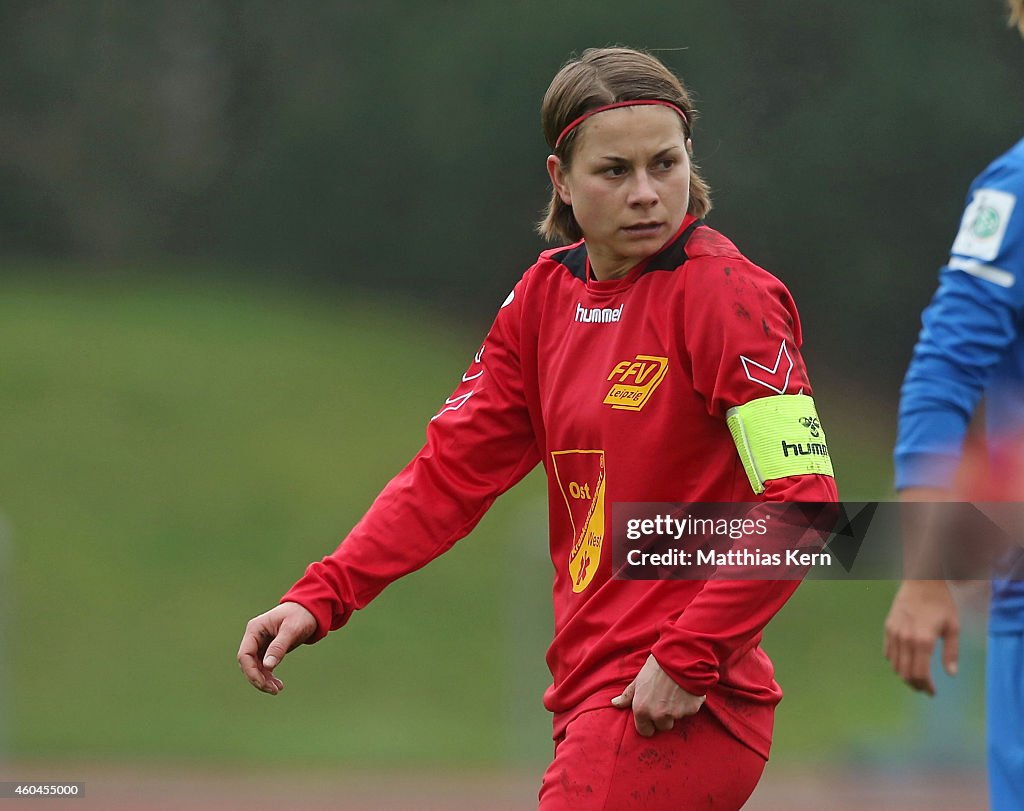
x,y
617,170
666,163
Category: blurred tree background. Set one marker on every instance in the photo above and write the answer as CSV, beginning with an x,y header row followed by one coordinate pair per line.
x,y
273,206
396,146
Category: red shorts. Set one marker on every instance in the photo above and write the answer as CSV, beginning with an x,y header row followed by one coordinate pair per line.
x,y
603,764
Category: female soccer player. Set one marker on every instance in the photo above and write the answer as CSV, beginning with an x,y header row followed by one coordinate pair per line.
x,y
618,362
972,345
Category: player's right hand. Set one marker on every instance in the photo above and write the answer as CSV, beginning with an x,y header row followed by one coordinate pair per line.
x,y
922,612
268,638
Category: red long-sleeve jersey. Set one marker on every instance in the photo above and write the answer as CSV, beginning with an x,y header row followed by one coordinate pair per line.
x,y
620,389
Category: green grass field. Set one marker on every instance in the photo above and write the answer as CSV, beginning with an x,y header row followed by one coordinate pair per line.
x,y
175,452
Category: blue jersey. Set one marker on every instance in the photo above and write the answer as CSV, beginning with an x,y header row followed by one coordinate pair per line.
x,y
972,343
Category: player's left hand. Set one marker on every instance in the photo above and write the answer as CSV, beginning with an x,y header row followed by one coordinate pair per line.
x,y
656,700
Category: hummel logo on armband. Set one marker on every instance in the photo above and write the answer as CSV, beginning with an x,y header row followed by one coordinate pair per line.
x,y
811,424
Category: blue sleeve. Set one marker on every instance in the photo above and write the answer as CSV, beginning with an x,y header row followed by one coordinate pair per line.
x,y
967,329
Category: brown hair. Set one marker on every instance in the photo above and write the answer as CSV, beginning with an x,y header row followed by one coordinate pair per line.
x,y
604,76
1017,14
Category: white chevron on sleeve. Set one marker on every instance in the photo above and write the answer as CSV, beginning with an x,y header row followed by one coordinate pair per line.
x,y
759,373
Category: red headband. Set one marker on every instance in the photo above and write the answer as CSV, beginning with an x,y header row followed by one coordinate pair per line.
x,y
634,103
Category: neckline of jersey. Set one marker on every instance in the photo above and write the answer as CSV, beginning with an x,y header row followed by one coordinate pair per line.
x,y
598,286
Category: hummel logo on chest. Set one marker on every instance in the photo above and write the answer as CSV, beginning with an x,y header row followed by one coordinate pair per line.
x,y
598,315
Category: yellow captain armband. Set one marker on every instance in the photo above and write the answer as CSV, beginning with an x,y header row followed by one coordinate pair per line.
x,y
779,436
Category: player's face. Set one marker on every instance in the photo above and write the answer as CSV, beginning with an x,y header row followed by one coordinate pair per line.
x,y
628,184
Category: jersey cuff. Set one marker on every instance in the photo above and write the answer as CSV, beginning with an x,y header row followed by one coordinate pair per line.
x,y
694,674
926,470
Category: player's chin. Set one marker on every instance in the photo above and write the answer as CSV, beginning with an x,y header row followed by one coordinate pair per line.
x,y
639,248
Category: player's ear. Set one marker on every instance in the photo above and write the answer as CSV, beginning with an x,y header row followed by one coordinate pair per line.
x,y
557,173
